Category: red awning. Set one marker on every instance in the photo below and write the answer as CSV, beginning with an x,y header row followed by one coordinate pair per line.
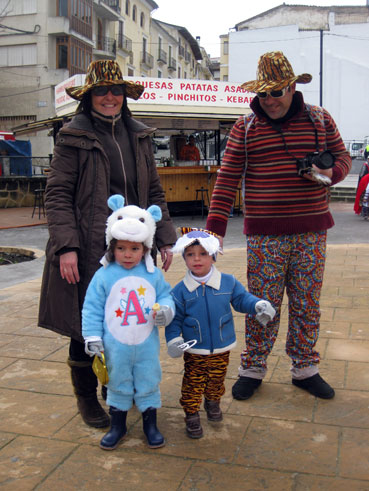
x,y
7,135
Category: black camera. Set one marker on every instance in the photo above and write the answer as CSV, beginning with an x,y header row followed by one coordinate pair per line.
x,y
323,160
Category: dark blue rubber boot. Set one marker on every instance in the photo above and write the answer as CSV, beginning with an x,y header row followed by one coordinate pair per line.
x,y
154,438
118,429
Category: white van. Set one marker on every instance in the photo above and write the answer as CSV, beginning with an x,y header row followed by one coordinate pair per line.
x,y
355,147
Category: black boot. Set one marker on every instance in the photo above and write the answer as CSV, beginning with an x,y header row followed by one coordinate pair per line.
x,y
84,382
118,429
154,438
104,392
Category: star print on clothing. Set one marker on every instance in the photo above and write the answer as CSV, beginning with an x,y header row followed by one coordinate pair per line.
x,y
123,291
141,290
119,313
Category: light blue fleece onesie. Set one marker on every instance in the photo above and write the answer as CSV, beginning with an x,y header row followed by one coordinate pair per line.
x,y
118,308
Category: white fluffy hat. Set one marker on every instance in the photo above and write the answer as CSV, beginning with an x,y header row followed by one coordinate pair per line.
x,y
205,238
133,224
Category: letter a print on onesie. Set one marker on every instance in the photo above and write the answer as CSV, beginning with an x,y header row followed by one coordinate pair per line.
x,y
128,310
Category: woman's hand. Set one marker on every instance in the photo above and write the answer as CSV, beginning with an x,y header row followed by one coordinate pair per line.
x,y
166,256
69,267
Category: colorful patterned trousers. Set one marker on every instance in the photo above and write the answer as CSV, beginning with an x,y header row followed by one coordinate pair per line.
x,y
294,263
203,375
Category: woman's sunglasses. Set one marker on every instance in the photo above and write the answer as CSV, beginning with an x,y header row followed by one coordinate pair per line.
x,y
276,94
104,89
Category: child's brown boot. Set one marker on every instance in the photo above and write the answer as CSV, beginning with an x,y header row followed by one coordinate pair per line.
x,y
193,425
213,410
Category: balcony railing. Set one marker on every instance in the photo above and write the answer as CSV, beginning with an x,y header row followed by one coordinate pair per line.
x,y
81,27
108,45
147,59
124,43
162,56
172,65
181,51
187,57
113,4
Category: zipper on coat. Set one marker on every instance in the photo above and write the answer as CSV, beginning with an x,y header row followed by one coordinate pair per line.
x,y
208,316
122,163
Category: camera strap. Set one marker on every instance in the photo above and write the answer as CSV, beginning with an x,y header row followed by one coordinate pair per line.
x,y
278,128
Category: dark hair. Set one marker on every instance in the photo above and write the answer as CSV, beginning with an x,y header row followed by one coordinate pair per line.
x,y
109,255
85,106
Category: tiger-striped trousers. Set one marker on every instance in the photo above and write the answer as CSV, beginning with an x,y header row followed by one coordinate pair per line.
x,y
203,375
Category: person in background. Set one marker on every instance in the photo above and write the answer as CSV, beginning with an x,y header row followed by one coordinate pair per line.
x,y
203,303
101,152
366,152
293,152
190,150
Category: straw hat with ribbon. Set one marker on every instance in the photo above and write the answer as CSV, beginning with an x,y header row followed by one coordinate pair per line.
x,y
104,72
274,73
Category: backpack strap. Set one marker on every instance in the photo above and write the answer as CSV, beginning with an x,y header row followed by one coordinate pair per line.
x,y
316,115
248,120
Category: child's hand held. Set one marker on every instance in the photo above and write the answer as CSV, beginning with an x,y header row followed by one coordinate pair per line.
x,y
265,312
93,348
163,316
174,349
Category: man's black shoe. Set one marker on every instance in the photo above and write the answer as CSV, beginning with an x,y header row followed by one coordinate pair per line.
x,y
245,387
316,386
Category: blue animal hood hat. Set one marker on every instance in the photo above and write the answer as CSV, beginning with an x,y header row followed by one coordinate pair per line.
x,y
133,224
208,240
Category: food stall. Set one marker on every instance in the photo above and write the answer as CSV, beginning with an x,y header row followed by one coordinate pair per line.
x,y
177,108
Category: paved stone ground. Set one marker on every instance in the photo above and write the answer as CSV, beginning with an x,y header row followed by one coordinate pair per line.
x,y
281,439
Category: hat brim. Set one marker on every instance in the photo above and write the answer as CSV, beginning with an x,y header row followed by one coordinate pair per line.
x,y
133,91
266,85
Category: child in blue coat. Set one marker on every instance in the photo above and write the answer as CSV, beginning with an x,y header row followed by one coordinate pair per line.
x,y
203,316
118,319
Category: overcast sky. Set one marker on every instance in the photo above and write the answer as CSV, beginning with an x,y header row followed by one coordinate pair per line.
x,y
211,18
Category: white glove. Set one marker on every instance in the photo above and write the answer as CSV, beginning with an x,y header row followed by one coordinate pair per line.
x,y
265,312
164,316
93,348
174,349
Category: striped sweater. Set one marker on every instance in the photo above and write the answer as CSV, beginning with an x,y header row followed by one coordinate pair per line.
x,y
277,200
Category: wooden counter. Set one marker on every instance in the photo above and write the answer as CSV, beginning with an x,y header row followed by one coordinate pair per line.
x,y
180,183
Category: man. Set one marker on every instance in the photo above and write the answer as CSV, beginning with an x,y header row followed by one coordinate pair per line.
x,y
286,216
190,151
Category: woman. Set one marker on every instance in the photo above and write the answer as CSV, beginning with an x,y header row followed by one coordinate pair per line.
x,y
101,152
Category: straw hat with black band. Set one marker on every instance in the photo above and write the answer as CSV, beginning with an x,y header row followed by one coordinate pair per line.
x,y
274,73
104,72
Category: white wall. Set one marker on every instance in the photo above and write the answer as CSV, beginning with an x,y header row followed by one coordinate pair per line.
x,y
345,67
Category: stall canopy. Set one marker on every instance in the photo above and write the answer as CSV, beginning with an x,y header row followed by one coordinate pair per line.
x,y
170,105
19,154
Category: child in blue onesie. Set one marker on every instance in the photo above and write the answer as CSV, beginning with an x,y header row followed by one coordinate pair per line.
x,y
118,319
203,316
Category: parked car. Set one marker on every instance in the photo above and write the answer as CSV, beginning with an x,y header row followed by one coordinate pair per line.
x,y
161,141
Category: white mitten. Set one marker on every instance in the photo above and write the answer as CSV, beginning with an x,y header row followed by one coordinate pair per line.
x,y
265,312
164,316
174,349
94,347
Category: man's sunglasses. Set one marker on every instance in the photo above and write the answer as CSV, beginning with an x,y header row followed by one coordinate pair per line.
x,y
276,94
104,89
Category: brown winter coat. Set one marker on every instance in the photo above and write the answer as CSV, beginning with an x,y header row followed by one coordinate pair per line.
x,y
76,203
